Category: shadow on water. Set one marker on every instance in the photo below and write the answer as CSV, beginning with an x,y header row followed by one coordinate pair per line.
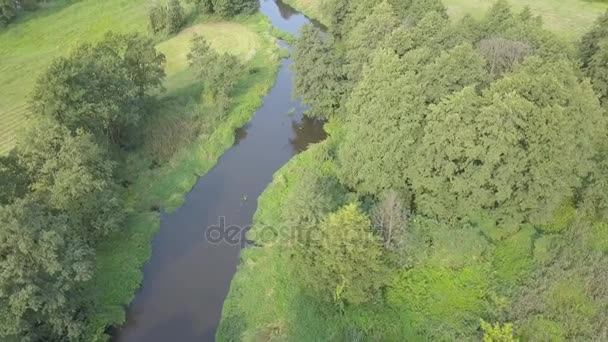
x,y
188,275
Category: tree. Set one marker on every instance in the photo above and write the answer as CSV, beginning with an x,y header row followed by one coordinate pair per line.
x,y
157,17
519,150
502,54
230,8
386,113
167,16
344,256
43,262
100,88
219,72
74,176
390,218
590,42
175,16
366,36
318,78
8,11
13,179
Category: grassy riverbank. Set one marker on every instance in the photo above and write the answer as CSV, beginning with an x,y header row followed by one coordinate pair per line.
x,y
120,258
570,18
264,301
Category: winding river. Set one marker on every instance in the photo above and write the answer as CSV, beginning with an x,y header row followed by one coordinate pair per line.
x,y
188,276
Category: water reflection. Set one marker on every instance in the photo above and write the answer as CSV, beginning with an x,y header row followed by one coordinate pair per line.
x,y
305,132
240,134
285,10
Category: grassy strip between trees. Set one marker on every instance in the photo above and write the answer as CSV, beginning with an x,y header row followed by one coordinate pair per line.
x,y
120,258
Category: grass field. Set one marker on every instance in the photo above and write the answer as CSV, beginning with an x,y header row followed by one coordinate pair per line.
x,y
568,17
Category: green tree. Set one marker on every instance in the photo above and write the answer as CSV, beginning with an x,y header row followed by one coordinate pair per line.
x,y
220,73
13,179
100,87
43,263
8,11
175,16
519,150
230,8
344,257
590,42
318,78
387,110
74,175
367,35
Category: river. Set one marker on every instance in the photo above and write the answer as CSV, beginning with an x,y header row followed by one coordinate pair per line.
x,y
188,276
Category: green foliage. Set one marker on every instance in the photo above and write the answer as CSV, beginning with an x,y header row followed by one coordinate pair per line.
x,y
541,329
167,17
366,36
44,262
440,303
75,176
512,150
344,256
562,218
318,79
599,237
100,87
230,8
512,259
413,11
13,179
545,249
497,333
220,72
590,41
8,11
388,108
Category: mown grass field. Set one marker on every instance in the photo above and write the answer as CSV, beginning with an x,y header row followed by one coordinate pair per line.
x,y
568,17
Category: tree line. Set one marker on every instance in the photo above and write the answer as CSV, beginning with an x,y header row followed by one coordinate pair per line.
x,y
470,174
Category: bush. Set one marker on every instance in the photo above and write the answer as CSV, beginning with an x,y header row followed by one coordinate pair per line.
x,y
166,17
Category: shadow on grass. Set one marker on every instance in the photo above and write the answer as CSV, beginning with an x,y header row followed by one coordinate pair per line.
x,y
43,10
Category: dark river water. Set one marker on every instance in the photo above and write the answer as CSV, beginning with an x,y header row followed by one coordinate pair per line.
x,y
188,276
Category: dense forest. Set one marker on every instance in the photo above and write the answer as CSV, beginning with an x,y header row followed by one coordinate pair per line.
x,y
461,194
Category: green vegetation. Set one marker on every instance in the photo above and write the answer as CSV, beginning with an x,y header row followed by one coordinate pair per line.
x,y
460,195
80,194
568,17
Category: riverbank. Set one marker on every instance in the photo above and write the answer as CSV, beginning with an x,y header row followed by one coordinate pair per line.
x,y
265,301
155,187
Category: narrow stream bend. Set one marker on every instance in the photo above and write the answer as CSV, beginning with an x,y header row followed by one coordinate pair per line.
x,y
188,277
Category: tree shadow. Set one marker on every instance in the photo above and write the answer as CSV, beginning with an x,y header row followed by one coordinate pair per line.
x,y
44,9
